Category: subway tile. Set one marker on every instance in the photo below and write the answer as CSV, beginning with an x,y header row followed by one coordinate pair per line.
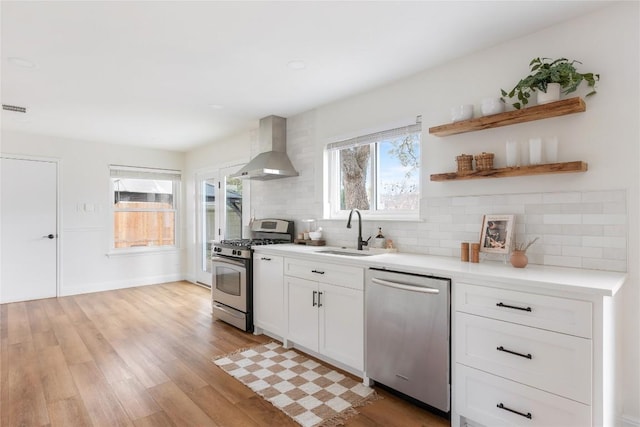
x,y
438,201
465,201
563,197
559,239
614,253
614,230
585,252
604,196
604,242
524,199
608,219
614,208
604,264
441,251
563,261
582,230
544,229
533,219
562,219
440,218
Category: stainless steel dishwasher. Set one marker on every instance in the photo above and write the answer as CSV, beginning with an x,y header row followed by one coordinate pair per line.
x,y
407,334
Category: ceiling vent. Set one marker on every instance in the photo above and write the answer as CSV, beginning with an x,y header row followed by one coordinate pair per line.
x,y
14,108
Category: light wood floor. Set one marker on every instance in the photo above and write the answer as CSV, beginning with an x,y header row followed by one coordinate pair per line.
x,y
139,357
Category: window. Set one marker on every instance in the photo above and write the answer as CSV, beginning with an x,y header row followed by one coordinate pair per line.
x,y
144,207
378,173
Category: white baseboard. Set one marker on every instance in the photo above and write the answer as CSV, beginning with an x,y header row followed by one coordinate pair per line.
x,y
120,284
628,421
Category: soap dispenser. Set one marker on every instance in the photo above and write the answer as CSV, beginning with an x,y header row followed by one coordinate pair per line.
x,y
379,241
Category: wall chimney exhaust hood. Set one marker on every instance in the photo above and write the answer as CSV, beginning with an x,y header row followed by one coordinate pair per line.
x,y
274,163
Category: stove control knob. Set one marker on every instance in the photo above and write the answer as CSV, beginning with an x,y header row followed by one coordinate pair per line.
x,y
234,252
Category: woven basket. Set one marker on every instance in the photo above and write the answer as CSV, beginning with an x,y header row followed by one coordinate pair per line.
x,y
465,163
484,161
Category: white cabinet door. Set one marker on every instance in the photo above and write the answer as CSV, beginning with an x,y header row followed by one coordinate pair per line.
x,y
303,312
268,293
342,324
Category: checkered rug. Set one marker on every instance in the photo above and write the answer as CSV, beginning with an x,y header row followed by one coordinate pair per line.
x,y
307,391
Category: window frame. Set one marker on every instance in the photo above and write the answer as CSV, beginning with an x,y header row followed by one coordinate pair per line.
x,y
332,171
132,172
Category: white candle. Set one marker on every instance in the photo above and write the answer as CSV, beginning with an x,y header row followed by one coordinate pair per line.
x,y
535,151
551,149
512,154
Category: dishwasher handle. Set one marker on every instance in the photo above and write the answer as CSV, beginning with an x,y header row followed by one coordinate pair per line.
x,y
405,286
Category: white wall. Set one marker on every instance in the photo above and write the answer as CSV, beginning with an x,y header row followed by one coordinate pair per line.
x,y
85,235
606,136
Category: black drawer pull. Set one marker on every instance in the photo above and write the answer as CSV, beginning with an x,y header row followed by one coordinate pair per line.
x,y
264,258
513,307
317,272
527,415
526,356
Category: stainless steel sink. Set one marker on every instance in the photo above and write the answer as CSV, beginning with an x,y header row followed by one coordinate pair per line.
x,y
343,252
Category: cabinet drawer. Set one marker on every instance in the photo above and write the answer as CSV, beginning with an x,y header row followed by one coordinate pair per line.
x,y
558,363
335,274
541,311
479,396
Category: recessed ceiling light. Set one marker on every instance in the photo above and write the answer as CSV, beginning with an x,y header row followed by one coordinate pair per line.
x,y
296,65
21,62
216,106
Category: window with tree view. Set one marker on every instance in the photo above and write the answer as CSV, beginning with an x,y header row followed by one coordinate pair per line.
x,y
144,207
379,173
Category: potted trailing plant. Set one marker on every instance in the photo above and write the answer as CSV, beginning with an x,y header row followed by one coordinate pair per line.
x,y
544,72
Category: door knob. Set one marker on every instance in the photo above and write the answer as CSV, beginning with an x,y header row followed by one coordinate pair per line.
x,y
48,236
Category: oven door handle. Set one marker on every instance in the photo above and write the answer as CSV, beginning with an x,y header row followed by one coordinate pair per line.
x,y
224,260
229,312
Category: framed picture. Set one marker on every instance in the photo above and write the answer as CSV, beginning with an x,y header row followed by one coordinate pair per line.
x,y
496,234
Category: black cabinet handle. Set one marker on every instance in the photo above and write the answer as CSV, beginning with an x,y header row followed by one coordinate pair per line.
x,y
265,258
314,298
526,356
317,272
527,415
514,307
319,296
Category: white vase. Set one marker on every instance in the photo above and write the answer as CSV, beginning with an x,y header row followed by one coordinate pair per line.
x,y
552,94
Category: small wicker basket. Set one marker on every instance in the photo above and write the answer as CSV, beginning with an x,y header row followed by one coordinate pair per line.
x,y
484,161
465,163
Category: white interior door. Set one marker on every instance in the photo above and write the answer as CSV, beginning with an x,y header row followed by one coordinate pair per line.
x,y
28,221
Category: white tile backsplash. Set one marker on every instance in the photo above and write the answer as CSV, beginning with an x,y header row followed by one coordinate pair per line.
x,y
586,229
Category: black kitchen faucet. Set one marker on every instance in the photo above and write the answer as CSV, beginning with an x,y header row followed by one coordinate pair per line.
x,y
361,242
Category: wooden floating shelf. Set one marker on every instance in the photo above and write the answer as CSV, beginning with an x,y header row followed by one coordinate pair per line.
x,y
538,112
565,167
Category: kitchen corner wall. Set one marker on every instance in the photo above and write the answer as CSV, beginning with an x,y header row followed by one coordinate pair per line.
x,y
586,220
85,233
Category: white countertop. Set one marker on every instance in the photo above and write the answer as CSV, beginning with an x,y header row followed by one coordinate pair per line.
x,y
594,282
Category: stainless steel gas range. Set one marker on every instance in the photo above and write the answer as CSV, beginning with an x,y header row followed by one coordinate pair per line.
x,y
232,270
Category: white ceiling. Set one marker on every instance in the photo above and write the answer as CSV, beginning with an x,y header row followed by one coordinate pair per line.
x,y
178,74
